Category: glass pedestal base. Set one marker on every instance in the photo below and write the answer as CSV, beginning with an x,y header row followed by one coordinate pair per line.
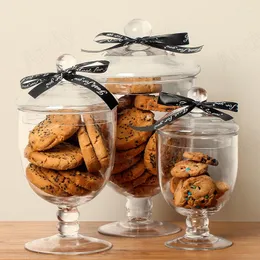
x,y
208,243
74,245
139,229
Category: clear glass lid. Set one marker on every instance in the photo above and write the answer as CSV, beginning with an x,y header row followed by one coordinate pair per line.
x,y
142,61
64,95
205,126
198,123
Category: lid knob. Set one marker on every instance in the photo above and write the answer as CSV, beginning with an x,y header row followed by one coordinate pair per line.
x,y
65,61
138,28
197,94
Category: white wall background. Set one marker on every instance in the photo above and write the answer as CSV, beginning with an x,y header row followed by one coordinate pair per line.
x,y
33,33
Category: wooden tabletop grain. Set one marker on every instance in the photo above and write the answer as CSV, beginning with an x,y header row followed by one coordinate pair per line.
x,y
245,236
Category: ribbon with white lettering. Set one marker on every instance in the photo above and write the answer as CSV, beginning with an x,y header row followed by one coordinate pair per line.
x,y
168,42
43,82
187,105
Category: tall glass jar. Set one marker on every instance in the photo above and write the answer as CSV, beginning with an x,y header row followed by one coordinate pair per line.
x,y
198,163
137,74
67,144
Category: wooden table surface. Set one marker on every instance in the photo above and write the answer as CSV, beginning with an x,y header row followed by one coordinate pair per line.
x,y
245,236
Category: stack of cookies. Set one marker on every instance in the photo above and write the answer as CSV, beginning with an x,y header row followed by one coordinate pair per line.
x,y
135,169
191,183
133,86
67,155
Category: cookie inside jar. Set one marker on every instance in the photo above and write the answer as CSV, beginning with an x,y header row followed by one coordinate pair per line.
x,y
191,183
135,170
68,153
195,174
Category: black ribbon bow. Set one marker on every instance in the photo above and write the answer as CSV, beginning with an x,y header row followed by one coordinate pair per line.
x,y
43,82
186,106
168,42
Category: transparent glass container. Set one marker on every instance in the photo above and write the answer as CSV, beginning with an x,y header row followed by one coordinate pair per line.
x,y
136,75
140,69
67,144
198,163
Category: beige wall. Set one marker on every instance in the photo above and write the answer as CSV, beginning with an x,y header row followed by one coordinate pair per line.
x,y
34,33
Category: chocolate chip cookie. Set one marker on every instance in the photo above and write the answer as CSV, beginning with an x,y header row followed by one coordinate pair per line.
x,y
152,181
54,130
123,165
86,180
63,156
174,183
142,179
127,137
198,192
59,179
150,155
37,176
185,169
87,150
130,174
200,157
128,154
97,140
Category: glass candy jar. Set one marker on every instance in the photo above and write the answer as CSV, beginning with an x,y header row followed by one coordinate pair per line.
x,y
198,162
66,142
136,75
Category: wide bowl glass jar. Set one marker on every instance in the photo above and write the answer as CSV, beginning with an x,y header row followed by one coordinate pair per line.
x,y
198,162
136,75
66,142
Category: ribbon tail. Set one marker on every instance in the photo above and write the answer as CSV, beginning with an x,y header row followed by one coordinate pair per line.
x,y
170,39
183,50
225,105
215,112
34,80
168,99
42,87
174,48
110,48
32,83
95,87
170,117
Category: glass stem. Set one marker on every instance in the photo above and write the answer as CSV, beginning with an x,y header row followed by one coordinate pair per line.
x,y
68,224
197,227
139,209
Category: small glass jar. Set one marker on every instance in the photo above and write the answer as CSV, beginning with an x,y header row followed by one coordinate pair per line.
x,y
136,75
66,142
198,162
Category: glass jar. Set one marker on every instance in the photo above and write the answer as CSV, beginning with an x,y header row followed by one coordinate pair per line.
x,y
66,142
198,162
137,74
